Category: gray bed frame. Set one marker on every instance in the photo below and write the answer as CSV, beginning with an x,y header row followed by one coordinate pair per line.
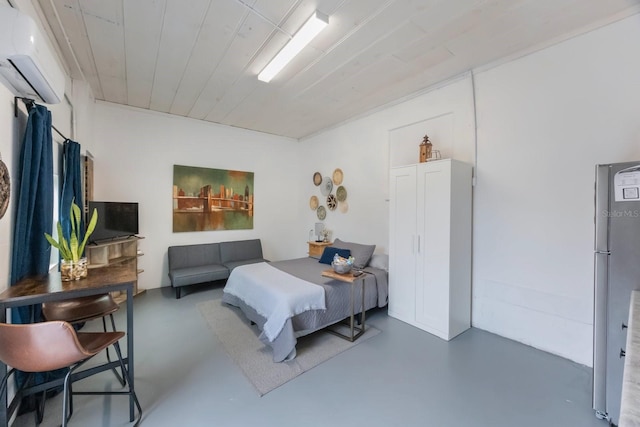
x,y
337,301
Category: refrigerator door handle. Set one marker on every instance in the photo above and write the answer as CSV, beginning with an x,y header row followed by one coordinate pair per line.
x,y
601,274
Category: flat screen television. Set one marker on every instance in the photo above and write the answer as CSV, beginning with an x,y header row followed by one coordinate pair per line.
x,y
116,220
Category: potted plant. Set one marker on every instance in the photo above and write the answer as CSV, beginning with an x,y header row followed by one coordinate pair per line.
x,y
73,265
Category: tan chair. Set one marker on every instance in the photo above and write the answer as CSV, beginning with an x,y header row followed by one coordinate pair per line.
x,y
47,346
84,309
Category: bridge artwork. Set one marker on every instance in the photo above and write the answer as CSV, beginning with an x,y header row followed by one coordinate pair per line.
x,y
211,199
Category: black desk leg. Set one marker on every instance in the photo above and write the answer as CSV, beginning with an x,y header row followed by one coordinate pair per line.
x,y
130,361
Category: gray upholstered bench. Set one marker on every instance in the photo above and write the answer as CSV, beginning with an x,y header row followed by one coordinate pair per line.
x,y
208,262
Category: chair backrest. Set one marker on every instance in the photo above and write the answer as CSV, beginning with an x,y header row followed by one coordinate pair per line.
x,y
40,347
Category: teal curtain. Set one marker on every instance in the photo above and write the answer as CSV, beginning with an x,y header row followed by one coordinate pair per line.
x,y
30,252
34,212
71,186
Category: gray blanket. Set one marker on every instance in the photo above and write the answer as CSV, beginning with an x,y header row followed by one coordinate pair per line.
x,y
337,302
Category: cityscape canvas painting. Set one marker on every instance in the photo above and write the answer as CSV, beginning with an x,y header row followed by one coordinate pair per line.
x,y
211,199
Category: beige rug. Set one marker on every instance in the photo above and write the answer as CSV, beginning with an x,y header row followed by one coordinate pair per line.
x,y
240,341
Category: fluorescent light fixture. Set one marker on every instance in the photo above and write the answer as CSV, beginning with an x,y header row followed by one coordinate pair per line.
x,y
303,37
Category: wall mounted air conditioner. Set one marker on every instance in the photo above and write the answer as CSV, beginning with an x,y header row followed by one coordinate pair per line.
x,y
27,65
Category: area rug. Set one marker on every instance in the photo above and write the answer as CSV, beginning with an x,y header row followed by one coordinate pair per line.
x,y
240,341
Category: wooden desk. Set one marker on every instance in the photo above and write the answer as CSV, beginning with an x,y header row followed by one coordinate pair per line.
x,y
36,290
349,278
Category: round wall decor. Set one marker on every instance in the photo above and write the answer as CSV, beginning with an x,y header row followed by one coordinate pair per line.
x,y
313,203
332,202
5,188
343,206
341,194
337,176
317,179
326,186
321,212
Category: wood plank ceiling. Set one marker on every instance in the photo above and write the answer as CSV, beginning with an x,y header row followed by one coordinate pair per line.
x,y
200,58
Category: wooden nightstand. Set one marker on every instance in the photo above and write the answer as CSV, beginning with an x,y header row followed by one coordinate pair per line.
x,y
316,248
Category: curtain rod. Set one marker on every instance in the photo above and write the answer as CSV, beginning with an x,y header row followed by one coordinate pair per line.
x,y
30,103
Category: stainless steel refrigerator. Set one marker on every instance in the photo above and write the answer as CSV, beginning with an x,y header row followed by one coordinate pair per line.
x,y
617,273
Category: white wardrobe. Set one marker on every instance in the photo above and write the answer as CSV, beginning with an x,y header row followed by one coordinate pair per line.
x,y
430,246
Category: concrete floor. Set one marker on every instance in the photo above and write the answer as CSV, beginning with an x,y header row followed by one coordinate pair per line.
x,y
402,377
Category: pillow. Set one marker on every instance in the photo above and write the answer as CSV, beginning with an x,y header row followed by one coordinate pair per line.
x,y
329,252
380,261
361,253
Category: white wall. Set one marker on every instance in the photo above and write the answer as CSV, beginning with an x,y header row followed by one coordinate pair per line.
x,y
365,149
146,145
135,151
544,122
83,111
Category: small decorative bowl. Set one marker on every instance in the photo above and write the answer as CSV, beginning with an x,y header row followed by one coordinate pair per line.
x,y
341,268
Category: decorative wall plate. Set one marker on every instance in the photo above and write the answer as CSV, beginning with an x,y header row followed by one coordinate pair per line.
x,y
321,212
332,202
313,203
5,188
326,186
317,179
337,176
341,194
343,206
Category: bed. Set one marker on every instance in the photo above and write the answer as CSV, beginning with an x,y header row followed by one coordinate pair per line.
x,y
318,301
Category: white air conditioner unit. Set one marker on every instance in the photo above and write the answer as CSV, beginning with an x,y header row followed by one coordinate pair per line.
x,y
27,65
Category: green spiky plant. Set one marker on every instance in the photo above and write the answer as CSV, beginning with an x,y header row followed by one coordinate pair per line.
x,y
72,249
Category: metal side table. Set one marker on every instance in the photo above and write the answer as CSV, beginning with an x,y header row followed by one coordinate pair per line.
x,y
355,331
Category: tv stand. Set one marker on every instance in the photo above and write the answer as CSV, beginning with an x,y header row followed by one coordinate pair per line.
x,y
110,240
112,252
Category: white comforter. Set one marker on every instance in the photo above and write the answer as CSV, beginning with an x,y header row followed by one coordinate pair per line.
x,y
274,294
